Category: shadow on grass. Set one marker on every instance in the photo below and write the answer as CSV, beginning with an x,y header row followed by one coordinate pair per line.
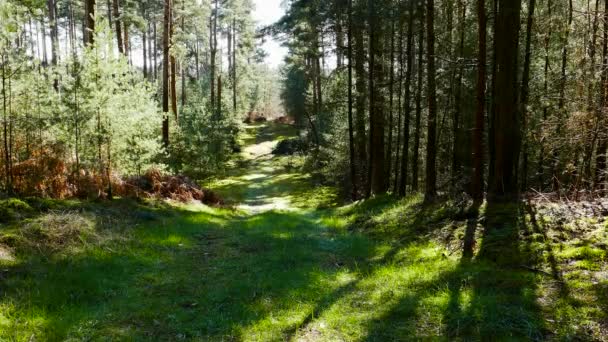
x,y
483,298
192,278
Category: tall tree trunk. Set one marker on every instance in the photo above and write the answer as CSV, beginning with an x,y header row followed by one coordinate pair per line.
x,y
561,113
145,44
525,94
391,108
456,129
351,135
602,146
407,101
401,62
213,51
507,135
118,25
173,66
166,66
361,97
493,91
155,50
419,80
52,8
376,80
234,66
591,96
541,157
431,150
477,184
127,42
89,36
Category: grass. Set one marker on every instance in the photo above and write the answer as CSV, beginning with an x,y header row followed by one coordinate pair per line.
x,y
287,262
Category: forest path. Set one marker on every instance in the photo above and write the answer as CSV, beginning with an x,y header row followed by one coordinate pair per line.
x,y
259,182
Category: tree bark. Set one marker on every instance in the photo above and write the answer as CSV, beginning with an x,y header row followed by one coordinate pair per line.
x,y
166,66
351,135
478,151
507,135
407,102
118,25
420,78
525,93
89,22
377,120
431,151
361,97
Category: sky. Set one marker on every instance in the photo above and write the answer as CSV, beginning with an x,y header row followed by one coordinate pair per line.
x,y
268,12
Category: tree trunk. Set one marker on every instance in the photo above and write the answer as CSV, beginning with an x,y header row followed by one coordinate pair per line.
x,y
166,66
477,184
52,8
456,129
361,97
118,25
541,157
89,36
173,66
407,102
602,146
507,135
145,44
234,84
525,94
420,78
431,150
391,88
213,51
562,99
376,80
351,135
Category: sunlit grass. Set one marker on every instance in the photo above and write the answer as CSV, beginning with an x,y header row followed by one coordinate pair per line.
x,y
385,269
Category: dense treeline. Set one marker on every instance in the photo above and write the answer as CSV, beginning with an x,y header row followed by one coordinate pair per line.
x,y
93,90
452,96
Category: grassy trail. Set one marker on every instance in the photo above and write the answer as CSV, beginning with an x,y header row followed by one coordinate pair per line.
x,y
288,264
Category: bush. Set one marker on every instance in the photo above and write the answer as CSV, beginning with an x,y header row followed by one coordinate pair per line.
x,y
288,147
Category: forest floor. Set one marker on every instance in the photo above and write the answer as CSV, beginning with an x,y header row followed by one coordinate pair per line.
x,y
287,261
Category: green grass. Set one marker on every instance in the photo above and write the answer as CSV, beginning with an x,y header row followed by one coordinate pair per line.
x,y
310,270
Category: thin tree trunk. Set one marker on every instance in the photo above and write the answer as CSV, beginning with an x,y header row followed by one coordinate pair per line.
x,y
478,151
431,150
351,136
420,78
602,146
391,88
166,66
525,93
376,80
541,157
173,66
52,8
562,98
407,101
145,44
457,146
361,97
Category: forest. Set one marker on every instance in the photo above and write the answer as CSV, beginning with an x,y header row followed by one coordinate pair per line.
x,y
413,169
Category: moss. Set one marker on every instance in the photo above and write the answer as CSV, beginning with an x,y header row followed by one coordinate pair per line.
x,y
13,209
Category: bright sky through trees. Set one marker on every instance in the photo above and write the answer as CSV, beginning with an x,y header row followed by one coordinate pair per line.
x,y
268,12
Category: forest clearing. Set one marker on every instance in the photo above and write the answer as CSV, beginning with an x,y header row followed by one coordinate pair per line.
x,y
303,170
